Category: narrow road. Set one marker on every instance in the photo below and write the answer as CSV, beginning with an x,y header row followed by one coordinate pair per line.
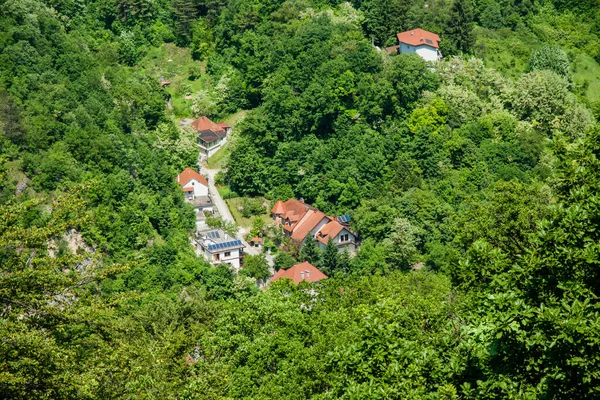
x,y
223,209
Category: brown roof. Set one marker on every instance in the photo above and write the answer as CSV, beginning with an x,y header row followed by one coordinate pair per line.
x,y
205,124
278,208
208,136
257,240
223,125
391,49
330,230
307,224
295,207
188,174
300,272
419,37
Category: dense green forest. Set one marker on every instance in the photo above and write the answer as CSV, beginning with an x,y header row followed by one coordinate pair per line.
x,y
483,168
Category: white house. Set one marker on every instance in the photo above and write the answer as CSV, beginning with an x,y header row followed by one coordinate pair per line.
x,y
341,235
195,189
211,136
425,44
220,248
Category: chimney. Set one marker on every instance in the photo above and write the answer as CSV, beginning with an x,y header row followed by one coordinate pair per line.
x,y
307,272
302,200
412,33
301,275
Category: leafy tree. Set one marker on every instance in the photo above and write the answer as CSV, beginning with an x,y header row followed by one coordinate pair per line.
x,y
255,267
283,260
402,244
202,42
552,58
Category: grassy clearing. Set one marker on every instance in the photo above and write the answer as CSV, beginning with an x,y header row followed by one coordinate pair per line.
x,y
176,65
509,52
218,160
234,205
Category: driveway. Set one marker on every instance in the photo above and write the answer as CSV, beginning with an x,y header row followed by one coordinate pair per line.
x,y
223,209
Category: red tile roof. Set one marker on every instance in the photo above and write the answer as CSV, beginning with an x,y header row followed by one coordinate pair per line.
x,y
188,174
300,272
330,230
223,125
307,224
257,240
419,37
205,124
278,208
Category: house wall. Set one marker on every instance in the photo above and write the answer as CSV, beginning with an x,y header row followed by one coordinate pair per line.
x,y
199,188
320,225
427,53
233,258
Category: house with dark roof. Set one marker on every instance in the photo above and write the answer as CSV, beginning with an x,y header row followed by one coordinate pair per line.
x,y
300,221
211,136
300,272
220,248
425,44
195,189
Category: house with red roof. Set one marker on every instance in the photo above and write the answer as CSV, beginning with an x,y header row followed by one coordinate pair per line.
x,y
195,189
425,44
211,136
300,272
300,221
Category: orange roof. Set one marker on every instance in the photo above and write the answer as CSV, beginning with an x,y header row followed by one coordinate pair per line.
x,y
278,208
330,230
300,272
188,174
223,125
419,37
205,124
257,240
307,224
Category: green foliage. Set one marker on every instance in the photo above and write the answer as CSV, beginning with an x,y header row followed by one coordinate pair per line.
x,y
229,227
552,58
310,251
459,36
255,267
283,260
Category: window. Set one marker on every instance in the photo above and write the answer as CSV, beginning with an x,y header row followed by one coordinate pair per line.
x,y
216,257
344,237
227,253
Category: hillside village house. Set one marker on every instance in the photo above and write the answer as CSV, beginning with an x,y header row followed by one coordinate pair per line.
x,y
425,44
299,220
300,272
220,248
211,136
195,189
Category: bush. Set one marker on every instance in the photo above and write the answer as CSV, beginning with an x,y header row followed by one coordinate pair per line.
x,y
252,207
552,58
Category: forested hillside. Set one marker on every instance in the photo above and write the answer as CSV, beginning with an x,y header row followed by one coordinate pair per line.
x,y
480,170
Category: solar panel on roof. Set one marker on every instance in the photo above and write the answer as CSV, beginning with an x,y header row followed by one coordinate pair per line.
x,y
214,234
344,218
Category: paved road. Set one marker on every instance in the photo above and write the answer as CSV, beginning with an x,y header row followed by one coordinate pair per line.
x,y
222,207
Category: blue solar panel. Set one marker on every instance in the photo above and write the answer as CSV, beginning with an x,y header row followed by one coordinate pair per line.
x,y
344,218
214,234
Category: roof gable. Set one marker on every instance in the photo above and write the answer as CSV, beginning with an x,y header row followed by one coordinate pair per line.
x,y
307,224
419,37
300,272
205,124
188,174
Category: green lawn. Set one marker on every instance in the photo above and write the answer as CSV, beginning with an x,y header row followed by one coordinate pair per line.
x,y
236,202
218,160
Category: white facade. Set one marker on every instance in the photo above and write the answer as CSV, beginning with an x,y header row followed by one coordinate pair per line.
x,y
345,240
208,149
232,257
218,247
427,53
195,189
